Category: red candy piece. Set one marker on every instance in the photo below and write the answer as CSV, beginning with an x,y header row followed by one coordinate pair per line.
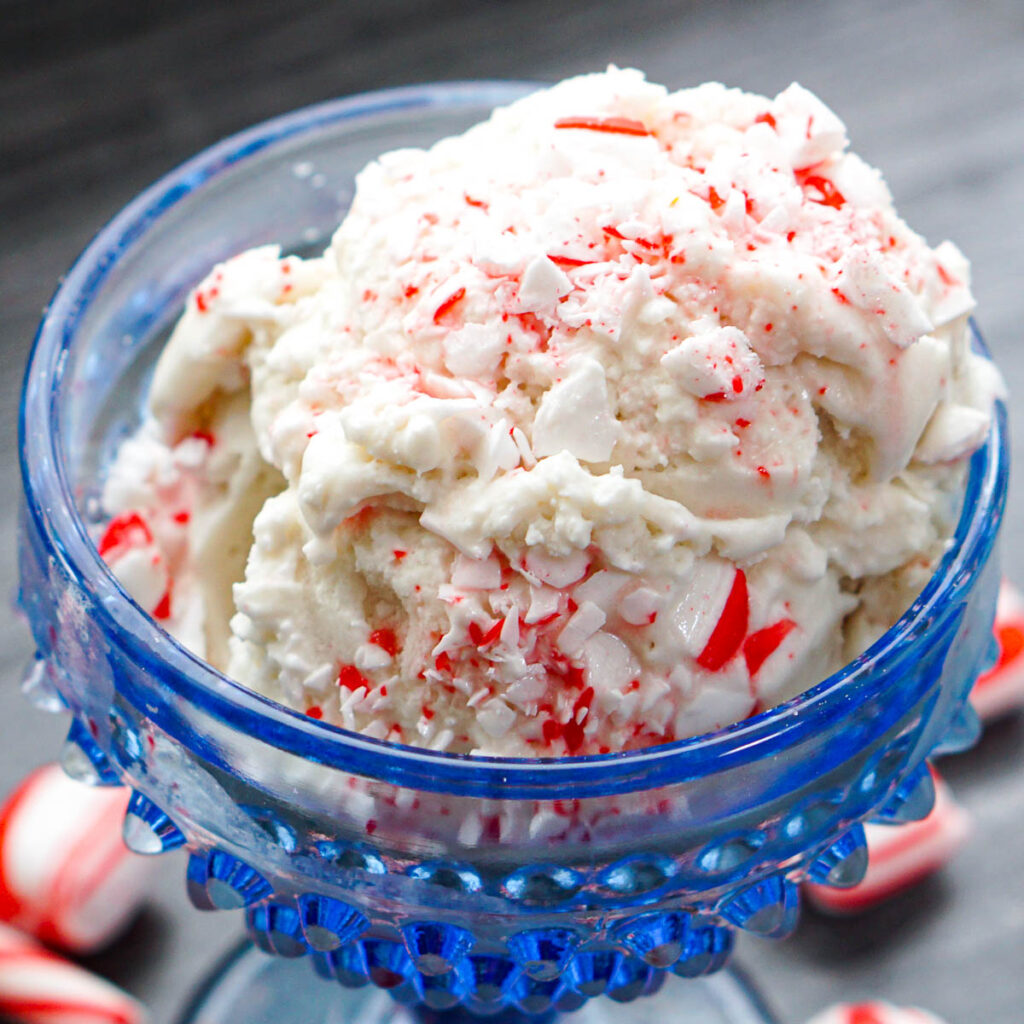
x,y
350,678
484,638
124,532
568,262
827,193
163,609
614,125
386,640
760,646
731,628
449,304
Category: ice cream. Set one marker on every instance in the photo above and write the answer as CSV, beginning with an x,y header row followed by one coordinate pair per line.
x,y
615,420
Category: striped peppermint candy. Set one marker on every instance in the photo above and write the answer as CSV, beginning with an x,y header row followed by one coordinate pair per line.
x,y
39,987
873,1013
900,856
65,874
1001,689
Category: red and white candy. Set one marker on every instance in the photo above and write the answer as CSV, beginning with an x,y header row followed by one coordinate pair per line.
x,y
65,874
899,856
128,547
1001,689
39,987
873,1013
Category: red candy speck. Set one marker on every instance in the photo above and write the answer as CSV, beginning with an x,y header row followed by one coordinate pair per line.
x,y
765,118
731,628
314,712
163,609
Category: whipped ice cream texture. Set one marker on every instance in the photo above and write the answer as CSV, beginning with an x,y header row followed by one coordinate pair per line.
x,y
617,419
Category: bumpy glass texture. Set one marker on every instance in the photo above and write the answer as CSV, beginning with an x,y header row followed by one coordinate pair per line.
x,y
445,879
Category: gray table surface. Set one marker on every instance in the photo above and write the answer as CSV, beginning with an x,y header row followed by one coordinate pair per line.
x,y
97,99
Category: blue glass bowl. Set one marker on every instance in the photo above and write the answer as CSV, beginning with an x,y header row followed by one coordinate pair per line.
x,y
451,881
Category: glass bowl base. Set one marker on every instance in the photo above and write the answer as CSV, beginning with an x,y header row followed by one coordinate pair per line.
x,y
256,988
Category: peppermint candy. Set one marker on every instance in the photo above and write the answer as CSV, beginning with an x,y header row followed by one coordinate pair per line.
x,y
39,987
873,1013
66,875
1001,688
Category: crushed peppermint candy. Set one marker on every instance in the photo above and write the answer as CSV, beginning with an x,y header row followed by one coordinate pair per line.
x,y
623,416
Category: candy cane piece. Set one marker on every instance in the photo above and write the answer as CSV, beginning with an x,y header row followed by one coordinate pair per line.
x,y
1001,688
39,987
873,1013
65,874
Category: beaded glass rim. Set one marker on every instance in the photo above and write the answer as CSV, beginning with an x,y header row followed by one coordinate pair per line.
x,y
51,505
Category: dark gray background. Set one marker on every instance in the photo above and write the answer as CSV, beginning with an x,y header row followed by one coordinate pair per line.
x,y
97,99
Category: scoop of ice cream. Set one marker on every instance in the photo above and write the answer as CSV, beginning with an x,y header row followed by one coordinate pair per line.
x,y
618,418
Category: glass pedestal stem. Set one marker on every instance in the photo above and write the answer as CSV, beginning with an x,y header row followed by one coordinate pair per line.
x,y
255,988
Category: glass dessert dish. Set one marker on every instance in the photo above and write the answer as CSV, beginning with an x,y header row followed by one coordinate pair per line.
x,y
464,886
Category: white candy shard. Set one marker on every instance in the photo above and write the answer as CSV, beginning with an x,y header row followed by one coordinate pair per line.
x,y
575,416
585,621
